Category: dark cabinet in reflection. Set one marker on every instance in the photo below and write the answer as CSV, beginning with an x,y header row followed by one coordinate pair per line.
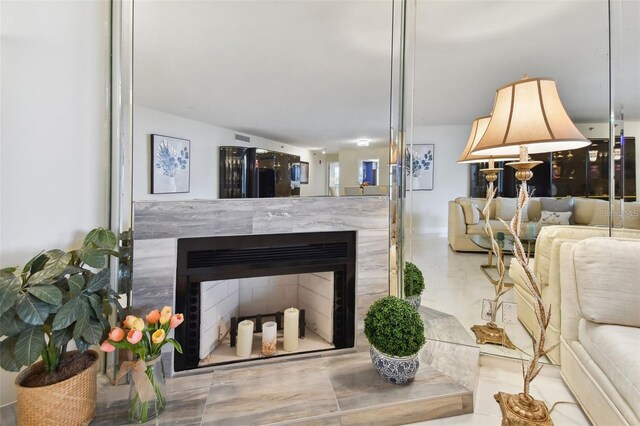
x,y
258,173
579,173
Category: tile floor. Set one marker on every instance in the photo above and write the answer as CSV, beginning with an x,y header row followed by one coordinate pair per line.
x,y
456,285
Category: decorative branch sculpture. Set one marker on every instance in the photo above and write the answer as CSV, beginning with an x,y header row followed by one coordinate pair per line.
x,y
515,408
491,333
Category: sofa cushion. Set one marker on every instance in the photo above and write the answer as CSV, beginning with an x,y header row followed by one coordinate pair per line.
x,y
632,215
478,229
470,210
534,208
614,349
555,217
561,205
608,294
583,209
505,208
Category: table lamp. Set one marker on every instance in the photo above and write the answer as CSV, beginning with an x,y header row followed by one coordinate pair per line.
x,y
478,128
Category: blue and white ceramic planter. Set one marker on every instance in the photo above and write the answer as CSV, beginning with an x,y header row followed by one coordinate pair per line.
x,y
396,370
414,301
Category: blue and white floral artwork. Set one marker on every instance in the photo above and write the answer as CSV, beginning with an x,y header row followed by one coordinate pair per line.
x,y
170,164
419,167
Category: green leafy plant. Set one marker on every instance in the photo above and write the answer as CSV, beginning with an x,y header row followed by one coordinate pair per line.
x,y
413,280
56,297
394,327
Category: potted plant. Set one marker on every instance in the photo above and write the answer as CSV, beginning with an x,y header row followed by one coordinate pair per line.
x,y
396,334
55,298
413,284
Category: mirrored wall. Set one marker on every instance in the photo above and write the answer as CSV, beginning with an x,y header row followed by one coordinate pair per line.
x,y
464,52
260,99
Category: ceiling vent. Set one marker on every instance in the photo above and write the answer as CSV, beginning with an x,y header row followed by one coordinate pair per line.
x,y
242,138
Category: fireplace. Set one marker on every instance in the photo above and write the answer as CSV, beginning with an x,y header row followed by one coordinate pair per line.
x,y
222,278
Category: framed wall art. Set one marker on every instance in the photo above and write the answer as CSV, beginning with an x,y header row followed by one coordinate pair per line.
x,y
419,167
170,164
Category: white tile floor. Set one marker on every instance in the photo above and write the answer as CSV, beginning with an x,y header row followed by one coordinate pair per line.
x,y
456,285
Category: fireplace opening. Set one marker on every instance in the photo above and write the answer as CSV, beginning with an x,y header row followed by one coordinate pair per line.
x,y
223,280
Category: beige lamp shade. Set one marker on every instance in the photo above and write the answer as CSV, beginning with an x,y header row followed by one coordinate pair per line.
x,y
529,112
478,127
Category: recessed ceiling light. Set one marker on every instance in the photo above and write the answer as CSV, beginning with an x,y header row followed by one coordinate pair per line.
x,y
363,142
324,152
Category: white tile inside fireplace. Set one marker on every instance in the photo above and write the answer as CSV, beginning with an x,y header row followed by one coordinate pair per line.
x,y
221,300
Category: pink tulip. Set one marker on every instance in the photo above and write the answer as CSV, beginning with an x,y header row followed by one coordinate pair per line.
x,y
106,346
153,317
176,320
116,334
134,336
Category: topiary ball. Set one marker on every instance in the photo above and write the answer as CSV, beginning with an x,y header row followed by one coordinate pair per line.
x,y
413,280
394,327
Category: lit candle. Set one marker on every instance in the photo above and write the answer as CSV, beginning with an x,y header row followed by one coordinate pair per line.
x,y
245,338
291,329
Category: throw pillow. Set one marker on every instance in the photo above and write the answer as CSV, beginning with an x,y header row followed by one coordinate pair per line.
x,y
561,205
554,218
470,210
505,208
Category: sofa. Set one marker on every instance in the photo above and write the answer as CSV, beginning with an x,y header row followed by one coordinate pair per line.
x,y
600,331
546,267
465,219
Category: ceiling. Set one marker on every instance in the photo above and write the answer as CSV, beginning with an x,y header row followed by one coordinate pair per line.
x,y
317,73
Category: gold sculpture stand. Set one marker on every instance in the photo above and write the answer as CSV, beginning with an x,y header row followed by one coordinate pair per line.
x,y
491,333
522,410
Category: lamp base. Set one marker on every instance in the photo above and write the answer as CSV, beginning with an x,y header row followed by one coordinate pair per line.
x,y
522,410
491,333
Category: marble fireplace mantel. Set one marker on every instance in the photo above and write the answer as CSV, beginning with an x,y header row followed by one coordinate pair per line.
x,y
158,225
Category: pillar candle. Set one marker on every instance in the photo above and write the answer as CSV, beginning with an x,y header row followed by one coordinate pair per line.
x,y
245,338
291,329
269,338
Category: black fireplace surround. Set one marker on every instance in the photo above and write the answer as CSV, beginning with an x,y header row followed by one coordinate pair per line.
x,y
245,256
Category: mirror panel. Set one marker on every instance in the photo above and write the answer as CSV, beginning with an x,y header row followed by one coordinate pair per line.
x,y
464,52
306,79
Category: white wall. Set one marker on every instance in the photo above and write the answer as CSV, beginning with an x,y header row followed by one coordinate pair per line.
x,y
205,140
54,162
427,211
350,163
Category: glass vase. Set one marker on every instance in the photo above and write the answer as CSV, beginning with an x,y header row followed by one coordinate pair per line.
x,y
143,409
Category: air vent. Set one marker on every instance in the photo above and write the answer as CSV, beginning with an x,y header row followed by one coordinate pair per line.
x,y
227,257
243,138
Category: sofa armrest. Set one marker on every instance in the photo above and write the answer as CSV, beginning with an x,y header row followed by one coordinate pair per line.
x,y
457,225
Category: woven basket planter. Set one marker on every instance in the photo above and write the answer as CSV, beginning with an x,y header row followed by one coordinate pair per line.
x,y
70,402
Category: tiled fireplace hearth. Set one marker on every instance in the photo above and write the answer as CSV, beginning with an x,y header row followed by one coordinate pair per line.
x,y
160,226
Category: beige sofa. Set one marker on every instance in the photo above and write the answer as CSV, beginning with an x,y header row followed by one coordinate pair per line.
x,y
546,267
586,212
600,334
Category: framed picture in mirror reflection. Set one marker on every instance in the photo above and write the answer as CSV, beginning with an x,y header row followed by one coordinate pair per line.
x,y
170,164
419,167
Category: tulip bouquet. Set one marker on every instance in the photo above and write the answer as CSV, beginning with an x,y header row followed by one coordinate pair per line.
x,y
145,341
